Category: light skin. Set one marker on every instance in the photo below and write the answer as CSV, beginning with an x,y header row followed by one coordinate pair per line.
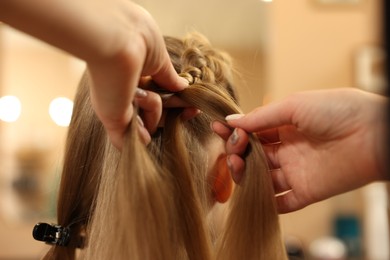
x,y
318,143
120,43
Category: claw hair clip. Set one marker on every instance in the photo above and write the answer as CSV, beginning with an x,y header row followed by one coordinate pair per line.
x,y
51,234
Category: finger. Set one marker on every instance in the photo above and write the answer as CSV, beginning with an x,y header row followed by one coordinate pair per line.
x,y
161,123
115,128
288,202
113,105
166,77
237,142
187,114
279,181
143,132
236,167
266,117
116,137
222,130
158,63
170,100
151,106
269,137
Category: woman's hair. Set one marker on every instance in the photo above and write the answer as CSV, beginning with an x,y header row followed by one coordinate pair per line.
x,y
151,202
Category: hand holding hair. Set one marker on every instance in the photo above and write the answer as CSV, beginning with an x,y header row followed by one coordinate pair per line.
x,y
164,201
119,41
318,143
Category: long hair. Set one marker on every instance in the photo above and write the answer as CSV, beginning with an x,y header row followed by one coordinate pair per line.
x,y
152,202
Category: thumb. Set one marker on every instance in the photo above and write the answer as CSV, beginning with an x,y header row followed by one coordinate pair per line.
x,y
166,77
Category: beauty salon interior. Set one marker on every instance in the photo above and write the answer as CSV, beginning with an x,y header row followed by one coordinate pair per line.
x,y
279,47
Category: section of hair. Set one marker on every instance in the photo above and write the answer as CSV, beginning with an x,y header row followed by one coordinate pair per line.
x,y
84,154
151,202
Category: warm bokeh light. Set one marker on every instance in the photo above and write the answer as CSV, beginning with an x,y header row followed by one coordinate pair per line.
x,y
60,111
10,108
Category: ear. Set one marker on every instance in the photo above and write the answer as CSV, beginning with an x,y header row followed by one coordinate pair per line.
x,y
221,180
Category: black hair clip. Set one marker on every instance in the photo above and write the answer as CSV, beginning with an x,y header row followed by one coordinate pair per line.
x,y
51,234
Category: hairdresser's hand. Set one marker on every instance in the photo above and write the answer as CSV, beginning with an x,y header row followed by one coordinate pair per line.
x,y
140,51
318,144
119,41
150,110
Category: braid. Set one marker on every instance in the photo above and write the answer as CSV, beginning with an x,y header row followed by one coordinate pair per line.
x,y
205,63
197,61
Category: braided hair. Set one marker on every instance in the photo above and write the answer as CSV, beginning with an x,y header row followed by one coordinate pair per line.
x,y
152,202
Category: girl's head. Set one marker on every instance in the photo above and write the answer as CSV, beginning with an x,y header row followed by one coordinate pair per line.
x,y
153,202
210,70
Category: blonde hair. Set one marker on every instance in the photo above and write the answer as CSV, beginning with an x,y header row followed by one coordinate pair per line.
x,y
151,202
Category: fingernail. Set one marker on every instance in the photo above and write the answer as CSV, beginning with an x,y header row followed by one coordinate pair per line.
x,y
140,122
184,82
139,92
236,177
235,137
229,164
233,117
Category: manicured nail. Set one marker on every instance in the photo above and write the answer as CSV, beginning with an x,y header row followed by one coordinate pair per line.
x,y
233,117
229,164
235,137
236,177
140,122
139,92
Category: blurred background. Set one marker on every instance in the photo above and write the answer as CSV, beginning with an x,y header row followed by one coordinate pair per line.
x,y
279,47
